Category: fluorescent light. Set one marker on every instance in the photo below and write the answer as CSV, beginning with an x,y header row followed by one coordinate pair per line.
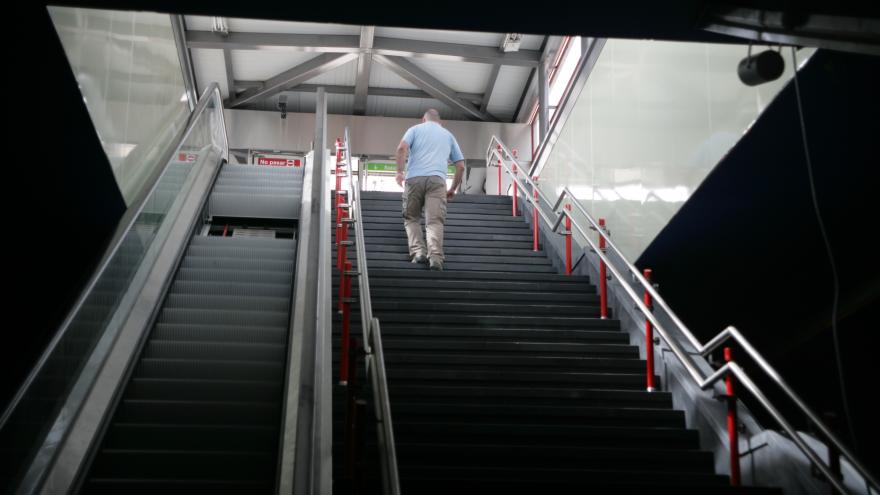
x,y
511,42
219,25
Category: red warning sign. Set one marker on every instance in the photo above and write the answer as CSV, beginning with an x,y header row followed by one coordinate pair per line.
x,y
279,162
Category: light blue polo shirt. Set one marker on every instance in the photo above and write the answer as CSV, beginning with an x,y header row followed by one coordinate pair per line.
x,y
431,148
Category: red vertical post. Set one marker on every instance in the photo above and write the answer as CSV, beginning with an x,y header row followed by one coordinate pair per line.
x,y
338,241
338,201
345,293
342,277
603,276
532,137
515,190
535,216
515,187
499,170
340,249
338,167
567,239
649,335
732,432
343,249
225,229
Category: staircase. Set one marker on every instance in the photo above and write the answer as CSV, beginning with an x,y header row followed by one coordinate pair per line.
x,y
502,376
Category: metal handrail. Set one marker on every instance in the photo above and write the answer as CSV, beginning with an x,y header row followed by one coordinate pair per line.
x,y
115,245
497,150
372,338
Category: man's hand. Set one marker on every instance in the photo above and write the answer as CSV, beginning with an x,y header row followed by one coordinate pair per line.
x,y
449,194
399,178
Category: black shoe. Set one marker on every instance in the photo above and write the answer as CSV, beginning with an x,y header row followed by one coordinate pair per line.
x,y
420,258
437,265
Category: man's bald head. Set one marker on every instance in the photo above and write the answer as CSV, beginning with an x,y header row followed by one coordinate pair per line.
x,y
431,115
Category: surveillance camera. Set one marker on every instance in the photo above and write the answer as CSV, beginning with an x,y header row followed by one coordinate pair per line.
x,y
283,107
760,68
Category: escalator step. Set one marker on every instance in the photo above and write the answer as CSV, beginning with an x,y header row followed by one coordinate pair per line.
x,y
200,350
227,302
224,317
233,276
261,265
220,333
202,390
189,465
208,369
231,289
229,412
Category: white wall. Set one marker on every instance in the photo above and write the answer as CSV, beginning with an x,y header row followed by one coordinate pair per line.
x,y
369,135
128,71
652,121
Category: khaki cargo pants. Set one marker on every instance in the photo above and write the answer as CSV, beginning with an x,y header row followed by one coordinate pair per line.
x,y
428,193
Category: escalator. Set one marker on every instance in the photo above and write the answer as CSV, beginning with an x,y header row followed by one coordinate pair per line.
x,y
202,410
180,368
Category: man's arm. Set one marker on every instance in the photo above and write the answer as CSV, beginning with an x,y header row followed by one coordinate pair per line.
x,y
456,157
459,172
402,149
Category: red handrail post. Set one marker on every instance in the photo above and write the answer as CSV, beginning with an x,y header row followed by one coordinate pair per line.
x,y
345,294
567,239
338,167
343,229
341,235
342,277
732,432
649,335
603,276
499,170
338,241
515,190
515,187
535,217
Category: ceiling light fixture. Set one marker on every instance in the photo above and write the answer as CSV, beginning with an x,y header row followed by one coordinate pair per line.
x,y
219,25
511,42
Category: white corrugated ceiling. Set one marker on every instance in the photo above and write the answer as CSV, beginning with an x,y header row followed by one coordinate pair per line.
x,y
259,65
383,77
254,66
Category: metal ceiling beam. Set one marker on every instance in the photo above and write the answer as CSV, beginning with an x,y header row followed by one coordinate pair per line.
x,y
431,85
365,61
543,102
178,29
291,77
490,87
351,44
230,74
455,52
327,43
476,98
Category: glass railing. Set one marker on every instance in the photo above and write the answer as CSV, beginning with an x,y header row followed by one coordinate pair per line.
x,y
37,419
651,121
128,70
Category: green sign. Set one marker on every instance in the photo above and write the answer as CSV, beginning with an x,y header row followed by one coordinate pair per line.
x,y
392,167
381,167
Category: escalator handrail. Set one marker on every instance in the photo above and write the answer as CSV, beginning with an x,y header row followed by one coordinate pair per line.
x,y
127,223
372,338
499,152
